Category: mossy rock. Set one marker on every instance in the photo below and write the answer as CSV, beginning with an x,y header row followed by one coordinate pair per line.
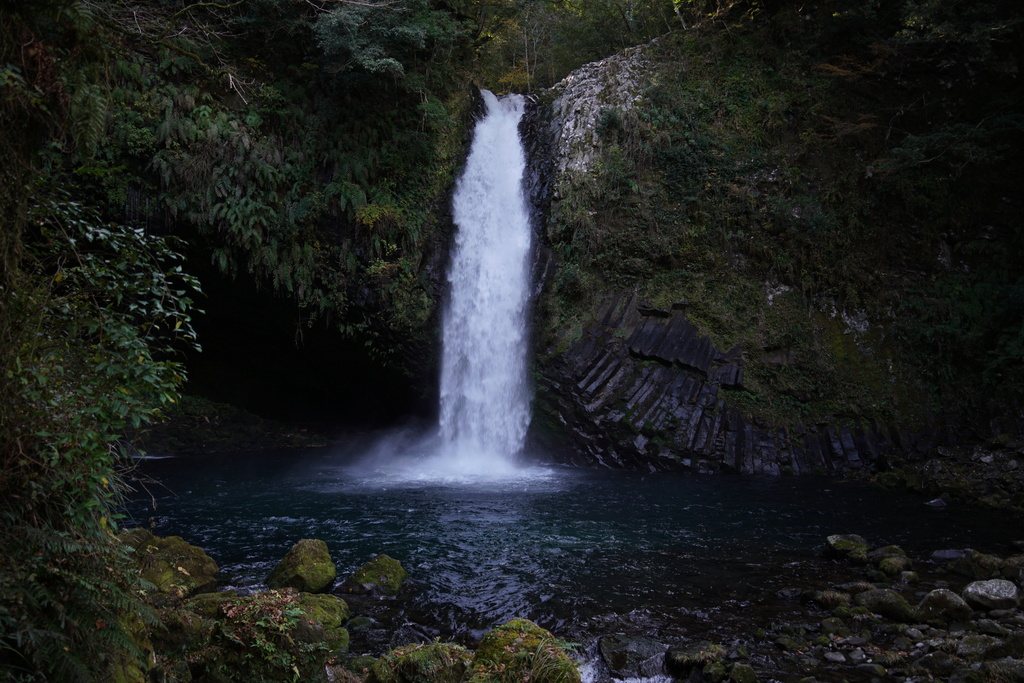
x,y
888,603
830,599
714,672
208,604
257,637
834,626
850,547
742,673
307,568
382,574
125,669
331,612
891,560
422,663
977,565
520,650
181,628
360,664
171,565
942,605
126,672
1013,569
133,538
680,661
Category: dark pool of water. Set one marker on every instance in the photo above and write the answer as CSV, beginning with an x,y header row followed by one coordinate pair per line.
x,y
562,546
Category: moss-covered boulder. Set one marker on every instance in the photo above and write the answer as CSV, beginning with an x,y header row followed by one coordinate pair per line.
x,y
850,547
259,637
890,560
125,669
942,605
208,604
382,574
330,612
422,663
683,659
1013,569
742,673
977,565
520,650
307,568
271,636
171,565
887,603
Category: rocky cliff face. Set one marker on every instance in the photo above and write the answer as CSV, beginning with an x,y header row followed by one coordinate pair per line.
x,y
616,82
642,387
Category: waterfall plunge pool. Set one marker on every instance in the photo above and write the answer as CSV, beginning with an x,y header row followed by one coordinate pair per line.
x,y
579,551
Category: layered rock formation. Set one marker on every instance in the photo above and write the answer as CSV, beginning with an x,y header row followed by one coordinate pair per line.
x,y
643,387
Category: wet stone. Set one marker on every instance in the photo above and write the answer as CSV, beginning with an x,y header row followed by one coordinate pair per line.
x,y
742,673
944,605
977,565
788,643
977,646
992,627
944,556
683,659
992,594
887,603
631,656
849,547
872,669
834,625
937,663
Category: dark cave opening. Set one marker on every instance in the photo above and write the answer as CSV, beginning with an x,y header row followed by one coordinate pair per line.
x,y
259,355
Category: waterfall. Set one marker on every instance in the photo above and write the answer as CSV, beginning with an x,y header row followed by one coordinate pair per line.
x,y
484,401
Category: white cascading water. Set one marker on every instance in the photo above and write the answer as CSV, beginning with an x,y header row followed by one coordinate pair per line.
x,y
485,405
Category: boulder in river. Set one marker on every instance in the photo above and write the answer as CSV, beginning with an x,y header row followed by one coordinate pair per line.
x,y
849,547
632,656
888,603
992,594
435,662
742,673
977,565
173,566
331,612
521,650
381,575
307,568
890,560
1013,569
683,659
943,605
267,636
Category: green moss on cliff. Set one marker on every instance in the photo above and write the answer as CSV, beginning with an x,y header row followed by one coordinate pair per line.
x,y
767,180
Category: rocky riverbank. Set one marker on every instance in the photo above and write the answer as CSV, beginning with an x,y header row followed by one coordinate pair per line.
x,y
860,613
